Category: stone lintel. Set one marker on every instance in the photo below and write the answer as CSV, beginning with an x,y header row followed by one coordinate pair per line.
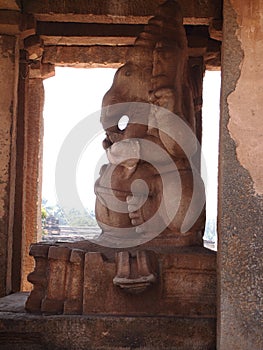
x,y
196,34
194,12
86,56
10,22
87,40
88,29
113,56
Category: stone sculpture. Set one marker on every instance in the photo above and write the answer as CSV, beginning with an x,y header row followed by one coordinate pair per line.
x,y
157,74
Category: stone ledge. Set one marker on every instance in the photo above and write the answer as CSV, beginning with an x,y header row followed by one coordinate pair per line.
x,y
22,331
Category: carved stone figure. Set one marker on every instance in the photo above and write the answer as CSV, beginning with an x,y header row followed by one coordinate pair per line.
x,y
156,75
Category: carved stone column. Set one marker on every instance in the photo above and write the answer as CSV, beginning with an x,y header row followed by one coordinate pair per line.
x,y
33,157
8,105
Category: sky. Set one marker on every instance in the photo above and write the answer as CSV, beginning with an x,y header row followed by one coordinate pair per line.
x,y
70,96
75,93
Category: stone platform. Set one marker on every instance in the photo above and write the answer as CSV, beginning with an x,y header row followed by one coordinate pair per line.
x,y
83,298
90,280
22,331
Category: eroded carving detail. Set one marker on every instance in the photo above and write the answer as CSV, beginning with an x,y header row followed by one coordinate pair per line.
x,y
134,271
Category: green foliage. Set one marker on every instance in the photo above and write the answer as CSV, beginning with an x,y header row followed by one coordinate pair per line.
x,y
43,213
80,218
73,217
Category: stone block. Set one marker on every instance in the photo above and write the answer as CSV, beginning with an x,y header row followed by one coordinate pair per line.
x,y
74,284
58,258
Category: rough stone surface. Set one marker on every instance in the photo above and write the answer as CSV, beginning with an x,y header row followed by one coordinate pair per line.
x,y
198,12
90,56
32,174
240,210
245,123
14,302
8,81
21,331
9,5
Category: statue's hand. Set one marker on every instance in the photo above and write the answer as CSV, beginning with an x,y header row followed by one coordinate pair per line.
x,y
125,153
134,208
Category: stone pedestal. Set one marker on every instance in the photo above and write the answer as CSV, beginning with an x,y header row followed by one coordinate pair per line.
x,y
184,285
80,280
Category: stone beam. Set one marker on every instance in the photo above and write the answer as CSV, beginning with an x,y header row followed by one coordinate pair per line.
x,y
114,56
9,22
106,30
114,11
57,33
10,5
87,40
83,34
89,56
59,29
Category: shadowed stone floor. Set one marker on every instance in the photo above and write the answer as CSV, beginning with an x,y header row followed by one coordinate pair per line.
x,y
22,331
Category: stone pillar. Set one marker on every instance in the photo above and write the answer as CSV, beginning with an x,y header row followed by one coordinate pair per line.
x,y
240,178
33,158
8,104
33,139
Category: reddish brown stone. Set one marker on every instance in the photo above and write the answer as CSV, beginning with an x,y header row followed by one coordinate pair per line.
x,y
58,258
74,284
155,75
38,278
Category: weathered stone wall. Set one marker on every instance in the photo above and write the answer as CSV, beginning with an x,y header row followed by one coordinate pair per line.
x,y
8,86
240,179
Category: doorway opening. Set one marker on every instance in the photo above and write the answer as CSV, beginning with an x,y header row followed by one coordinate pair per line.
x,y
72,95
210,141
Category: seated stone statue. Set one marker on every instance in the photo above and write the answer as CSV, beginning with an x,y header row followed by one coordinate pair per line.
x,y
150,185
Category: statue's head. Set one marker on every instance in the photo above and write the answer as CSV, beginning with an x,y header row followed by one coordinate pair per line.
x,y
131,83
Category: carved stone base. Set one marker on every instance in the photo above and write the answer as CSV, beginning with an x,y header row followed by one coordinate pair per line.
x,y
87,279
